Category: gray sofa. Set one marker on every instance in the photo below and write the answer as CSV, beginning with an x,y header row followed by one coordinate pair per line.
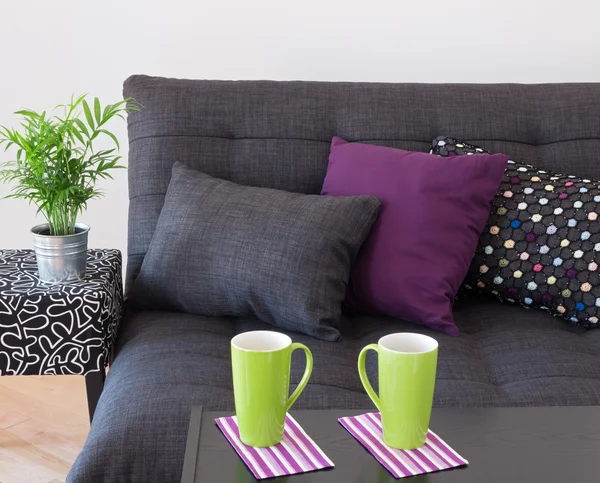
x,y
277,134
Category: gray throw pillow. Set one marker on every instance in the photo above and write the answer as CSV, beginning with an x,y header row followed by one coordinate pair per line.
x,y
224,249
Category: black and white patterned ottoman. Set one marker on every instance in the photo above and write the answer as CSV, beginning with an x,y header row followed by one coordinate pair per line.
x,y
59,329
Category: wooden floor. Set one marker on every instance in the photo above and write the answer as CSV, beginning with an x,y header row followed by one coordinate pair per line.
x,y
43,425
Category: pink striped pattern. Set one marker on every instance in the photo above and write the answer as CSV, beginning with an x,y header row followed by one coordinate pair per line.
x,y
435,455
297,452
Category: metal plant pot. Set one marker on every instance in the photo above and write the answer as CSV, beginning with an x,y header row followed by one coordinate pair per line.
x,y
60,258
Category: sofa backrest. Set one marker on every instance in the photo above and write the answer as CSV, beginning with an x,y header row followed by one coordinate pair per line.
x,y
277,134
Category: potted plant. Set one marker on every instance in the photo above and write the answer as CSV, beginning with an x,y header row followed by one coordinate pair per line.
x,y
56,167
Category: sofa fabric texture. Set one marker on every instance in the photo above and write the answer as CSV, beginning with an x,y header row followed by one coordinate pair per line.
x,y
541,243
224,249
277,135
420,248
169,361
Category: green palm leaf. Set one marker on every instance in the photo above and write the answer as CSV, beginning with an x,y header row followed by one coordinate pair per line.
x,y
56,167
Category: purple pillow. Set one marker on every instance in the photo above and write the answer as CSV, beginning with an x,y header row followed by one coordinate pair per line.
x,y
420,248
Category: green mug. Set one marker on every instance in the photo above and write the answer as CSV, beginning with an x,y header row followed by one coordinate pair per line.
x,y
261,363
407,366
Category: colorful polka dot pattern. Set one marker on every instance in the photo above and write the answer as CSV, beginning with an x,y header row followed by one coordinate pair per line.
x,y
541,245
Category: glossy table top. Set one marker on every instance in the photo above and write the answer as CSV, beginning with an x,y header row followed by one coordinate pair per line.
x,y
550,444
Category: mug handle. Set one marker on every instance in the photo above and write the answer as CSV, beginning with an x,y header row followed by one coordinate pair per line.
x,y
305,377
363,373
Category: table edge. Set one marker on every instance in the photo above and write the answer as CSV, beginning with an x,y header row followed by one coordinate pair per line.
x,y
192,446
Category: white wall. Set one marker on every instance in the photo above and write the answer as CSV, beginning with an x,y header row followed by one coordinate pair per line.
x,y
51,49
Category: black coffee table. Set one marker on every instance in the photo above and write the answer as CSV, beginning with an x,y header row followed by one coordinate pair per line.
x,y
550,444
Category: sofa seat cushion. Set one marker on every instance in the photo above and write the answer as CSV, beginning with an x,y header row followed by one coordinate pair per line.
x,y
168,362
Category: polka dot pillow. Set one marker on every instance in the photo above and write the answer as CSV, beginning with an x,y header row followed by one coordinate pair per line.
x,y
541,244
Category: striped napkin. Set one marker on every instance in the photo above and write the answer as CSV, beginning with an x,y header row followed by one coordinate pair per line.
x,y
435,455
297,452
